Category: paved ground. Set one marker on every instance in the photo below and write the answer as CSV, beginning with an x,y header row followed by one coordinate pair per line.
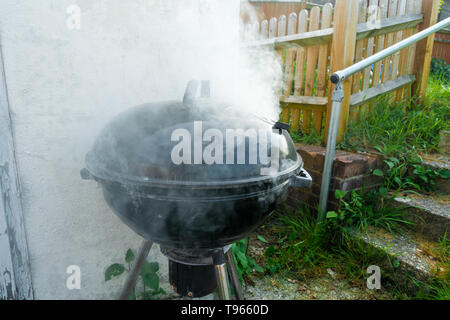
x,y
323,288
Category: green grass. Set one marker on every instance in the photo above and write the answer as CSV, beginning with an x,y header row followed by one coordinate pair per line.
x,y
312,138
362,209
300,248
403,127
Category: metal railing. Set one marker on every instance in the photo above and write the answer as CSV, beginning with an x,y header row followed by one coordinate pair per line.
x,y
338,96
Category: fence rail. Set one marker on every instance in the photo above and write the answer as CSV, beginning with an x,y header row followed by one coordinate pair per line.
x,y
319,40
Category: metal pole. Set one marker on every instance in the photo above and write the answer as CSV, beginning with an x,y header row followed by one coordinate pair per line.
x,y
223,287
338,96
341,75
130,283
234,275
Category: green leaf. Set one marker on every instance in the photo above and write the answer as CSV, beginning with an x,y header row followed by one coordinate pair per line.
x,y
293,236
396,263
150,267
378,148
339,194
114,270
129,256
258,268
383,192
151,280
444,174
242,259
378,172
389,163
251,262
394,160
270,251
243,242
260,238
331,215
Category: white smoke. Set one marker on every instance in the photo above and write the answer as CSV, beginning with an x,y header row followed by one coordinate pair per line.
x,y
204,40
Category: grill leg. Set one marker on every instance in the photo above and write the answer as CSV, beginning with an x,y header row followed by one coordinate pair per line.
x,y
220,268
233,275
130,283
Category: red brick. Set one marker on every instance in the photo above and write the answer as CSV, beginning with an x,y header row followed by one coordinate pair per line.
x,y
345,164
357,182
308,154
351,171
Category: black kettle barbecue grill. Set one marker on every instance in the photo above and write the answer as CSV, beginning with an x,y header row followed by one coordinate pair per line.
x,y
195,209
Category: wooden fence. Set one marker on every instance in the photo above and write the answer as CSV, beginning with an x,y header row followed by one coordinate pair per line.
x,y
441,49
268,9
316,41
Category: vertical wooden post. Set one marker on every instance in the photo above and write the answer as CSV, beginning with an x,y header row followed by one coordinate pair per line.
x,y
15,275
424,48
342,55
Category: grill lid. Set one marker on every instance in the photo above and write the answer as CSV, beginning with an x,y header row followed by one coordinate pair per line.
x,y
191,142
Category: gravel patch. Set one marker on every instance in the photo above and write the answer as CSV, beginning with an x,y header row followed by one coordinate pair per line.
x,y
322,288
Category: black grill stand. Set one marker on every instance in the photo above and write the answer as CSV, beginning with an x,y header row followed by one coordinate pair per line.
x,y
223,267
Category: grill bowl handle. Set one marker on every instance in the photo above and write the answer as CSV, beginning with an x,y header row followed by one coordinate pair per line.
x,y
85,174
302,180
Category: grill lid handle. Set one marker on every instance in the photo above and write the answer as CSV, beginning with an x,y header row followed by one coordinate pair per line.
x,y
191,91
281,126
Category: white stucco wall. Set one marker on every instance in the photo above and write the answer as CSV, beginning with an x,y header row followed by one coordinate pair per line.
x,y
63,85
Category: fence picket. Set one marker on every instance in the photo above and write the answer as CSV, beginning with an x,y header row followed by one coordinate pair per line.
x,y
362,16
264,29
327,14
382,14
404,54
398,37
388,62
299,69
290,55
272,27
372,12
289,69
311,64
415,7
282,26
